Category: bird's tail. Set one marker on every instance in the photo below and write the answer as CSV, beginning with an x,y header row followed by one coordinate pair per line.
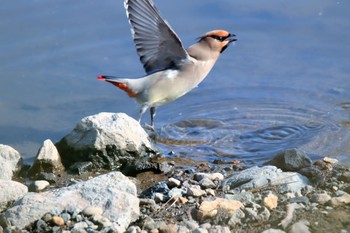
x,y
118,82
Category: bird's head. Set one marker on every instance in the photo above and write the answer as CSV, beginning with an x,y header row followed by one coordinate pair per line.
x,y
217,39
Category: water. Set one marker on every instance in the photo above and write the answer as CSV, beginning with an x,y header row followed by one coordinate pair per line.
x,y
285,83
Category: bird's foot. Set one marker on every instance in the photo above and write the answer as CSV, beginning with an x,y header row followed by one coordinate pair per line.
x,y
150,127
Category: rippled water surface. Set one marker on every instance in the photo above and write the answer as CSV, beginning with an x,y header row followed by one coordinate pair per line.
x,y
285,82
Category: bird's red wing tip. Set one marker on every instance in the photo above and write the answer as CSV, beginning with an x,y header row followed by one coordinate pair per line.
x,y
101,77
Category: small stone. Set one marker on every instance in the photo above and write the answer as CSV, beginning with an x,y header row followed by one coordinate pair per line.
x,y
209,209
160,197
345,177
303,200
301,226
291,160
210,192
338,201
133,229
58,221
102,221
168,228
206,183
172,182
66,217
80,225
195,192
92,211
320,198
211,176
200,230
191,224
236,218
47,217
38,185
176,192
270,201
271,230
330,160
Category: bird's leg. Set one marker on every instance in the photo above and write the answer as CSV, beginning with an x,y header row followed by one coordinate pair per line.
x,y
142,111
153,114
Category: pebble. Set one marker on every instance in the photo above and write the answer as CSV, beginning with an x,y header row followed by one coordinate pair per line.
x,y
57,220
271,230
206,183
321,198
38,185
92,211
303,200
172,182
338,201
301,226
209,209
196,192
270,201
211,176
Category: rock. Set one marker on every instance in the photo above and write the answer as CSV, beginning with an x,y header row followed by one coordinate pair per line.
x,y
113,192
108,140
196,192
211,176
271,230
206,183
321,198
160,187
330,160
236,218
10,192
10,162
244,197
338,201
47,160
209,209
172,182
301,226
270,201
50,177
57,220
38,185
256,177
92,211
291,160
303,200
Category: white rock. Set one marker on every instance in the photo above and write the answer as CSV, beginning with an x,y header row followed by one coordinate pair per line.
x,y
106,139
10,159
113,192
301,226
39,185
47,160
271,230
211,176
10,191
255,177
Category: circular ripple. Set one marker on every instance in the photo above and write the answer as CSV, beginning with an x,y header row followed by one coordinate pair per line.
x,y
251,132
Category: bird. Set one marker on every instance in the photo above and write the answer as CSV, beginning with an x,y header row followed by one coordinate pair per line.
x,y
171,70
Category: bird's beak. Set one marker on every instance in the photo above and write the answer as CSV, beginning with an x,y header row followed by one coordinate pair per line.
x,y
231,38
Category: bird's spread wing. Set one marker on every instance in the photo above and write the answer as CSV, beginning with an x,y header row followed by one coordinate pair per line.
x,y
156,43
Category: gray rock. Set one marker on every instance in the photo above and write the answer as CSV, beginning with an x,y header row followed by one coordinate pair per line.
x,y
244,197
113,192
10,162
38,185
108,140
320,198
255,177
301,226
271,230
47,160
10,192
291,160
206,183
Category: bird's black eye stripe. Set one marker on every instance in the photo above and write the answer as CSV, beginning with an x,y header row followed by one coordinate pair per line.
x,y
220,38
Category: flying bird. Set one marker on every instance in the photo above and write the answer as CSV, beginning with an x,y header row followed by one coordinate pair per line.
x,y
171,70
